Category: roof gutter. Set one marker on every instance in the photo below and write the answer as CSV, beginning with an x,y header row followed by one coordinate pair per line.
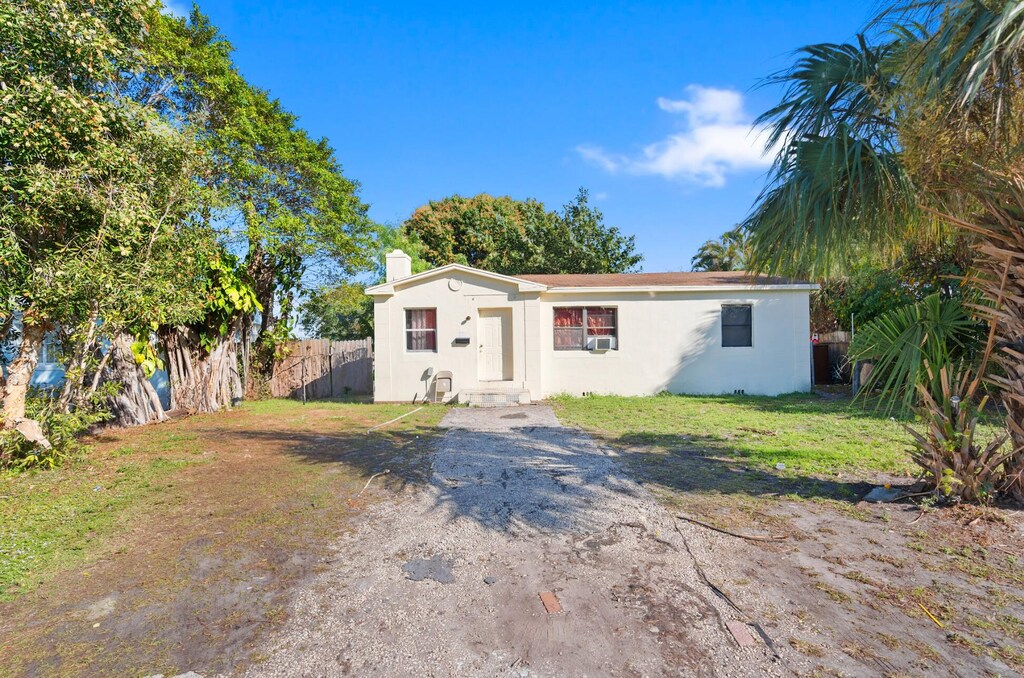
x,y
649,289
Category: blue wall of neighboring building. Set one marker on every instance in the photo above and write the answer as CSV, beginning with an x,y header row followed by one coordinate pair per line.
x,y
49,374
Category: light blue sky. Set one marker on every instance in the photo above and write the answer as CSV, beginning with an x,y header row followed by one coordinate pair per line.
x,y
646,104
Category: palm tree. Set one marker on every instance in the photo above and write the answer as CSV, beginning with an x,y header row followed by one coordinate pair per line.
x,y
913,129
728,253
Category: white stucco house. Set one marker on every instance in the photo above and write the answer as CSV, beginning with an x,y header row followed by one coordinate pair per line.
x,y
508,339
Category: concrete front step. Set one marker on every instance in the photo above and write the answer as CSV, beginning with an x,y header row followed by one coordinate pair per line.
x,y
494,397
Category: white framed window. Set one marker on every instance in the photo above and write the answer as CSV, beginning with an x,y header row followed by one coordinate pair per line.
x,y
51,350
737,325
577,328
421,329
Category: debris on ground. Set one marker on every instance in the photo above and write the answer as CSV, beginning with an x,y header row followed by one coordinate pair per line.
x,y
883,494
550,601
740,633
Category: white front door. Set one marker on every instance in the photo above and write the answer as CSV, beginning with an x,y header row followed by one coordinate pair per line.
x,y
495,330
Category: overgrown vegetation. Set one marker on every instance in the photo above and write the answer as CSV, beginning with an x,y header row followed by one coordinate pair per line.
x,y
911,345
950,448
154,205
911,134
61,429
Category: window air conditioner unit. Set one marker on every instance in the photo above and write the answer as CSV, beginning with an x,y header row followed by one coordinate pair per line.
x,y
603,344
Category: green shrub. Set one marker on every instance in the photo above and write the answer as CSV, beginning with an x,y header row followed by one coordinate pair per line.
x,y
62,429
911,345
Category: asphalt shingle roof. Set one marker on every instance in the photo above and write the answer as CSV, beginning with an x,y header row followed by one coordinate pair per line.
x,y
680,279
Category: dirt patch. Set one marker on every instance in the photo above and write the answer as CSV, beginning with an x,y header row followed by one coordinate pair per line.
x,y
195,577
524,513
856,588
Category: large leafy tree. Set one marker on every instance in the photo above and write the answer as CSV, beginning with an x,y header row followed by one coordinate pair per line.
x,y
95,189
131,148
277,199
510,236
298,209
913,130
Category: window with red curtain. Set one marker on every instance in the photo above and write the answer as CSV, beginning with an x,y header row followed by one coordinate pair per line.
x,y
421,329
576,328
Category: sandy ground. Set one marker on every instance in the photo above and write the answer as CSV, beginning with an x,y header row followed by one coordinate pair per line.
x,y
445,580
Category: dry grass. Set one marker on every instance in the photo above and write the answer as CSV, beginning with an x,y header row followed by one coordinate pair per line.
x,y
177,545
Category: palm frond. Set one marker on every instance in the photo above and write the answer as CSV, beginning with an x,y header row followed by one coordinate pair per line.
x,y
837,184
970,48
912,345
833,87
830,197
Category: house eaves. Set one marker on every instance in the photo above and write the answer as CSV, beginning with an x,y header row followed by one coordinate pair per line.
x,y
656,289
387,289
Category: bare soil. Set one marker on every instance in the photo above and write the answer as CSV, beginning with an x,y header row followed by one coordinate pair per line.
x,y
448,579
856,588
266,553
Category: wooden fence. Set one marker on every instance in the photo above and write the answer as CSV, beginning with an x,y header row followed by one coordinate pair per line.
x,y
319,368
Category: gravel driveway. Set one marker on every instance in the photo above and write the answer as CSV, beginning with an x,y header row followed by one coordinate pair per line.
x,y
445,580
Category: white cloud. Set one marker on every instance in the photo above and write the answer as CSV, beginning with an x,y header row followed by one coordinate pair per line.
x,y
596,155
717,138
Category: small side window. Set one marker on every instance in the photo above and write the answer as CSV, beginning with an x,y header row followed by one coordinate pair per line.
x,y
737,326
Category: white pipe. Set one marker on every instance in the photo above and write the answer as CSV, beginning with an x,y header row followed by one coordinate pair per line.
x,y
391,421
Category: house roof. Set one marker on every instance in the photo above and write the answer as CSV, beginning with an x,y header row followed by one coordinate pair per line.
x,y
678,279
591,282
388,288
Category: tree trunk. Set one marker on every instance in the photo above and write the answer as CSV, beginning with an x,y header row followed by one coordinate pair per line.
x,y
19,374
1004,286
77,364
5,328
137,403
261,272
247,385
202,381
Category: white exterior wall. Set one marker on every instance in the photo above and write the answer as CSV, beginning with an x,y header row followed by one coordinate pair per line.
x,y
668,340
399,374
672,341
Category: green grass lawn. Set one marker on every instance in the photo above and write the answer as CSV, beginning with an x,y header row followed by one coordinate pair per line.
x,y
807,433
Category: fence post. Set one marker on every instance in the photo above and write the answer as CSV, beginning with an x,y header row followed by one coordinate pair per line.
x,y
303,378
330,364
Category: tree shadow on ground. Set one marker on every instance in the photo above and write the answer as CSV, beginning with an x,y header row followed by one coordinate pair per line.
x,y
544,478
688,466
